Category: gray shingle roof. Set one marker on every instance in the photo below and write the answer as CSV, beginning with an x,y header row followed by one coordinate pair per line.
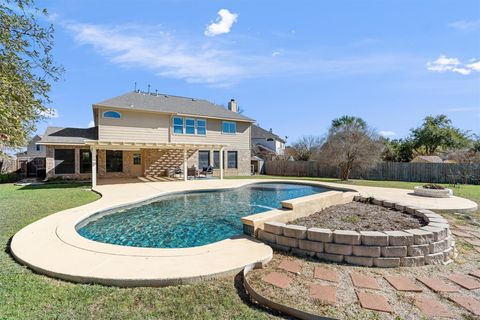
x,y
69,135
171,104
260,133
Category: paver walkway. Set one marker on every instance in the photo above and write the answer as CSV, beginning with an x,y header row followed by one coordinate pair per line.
x,y
324,293
327,274
402,283
293,266
469,303
362,281
437,285
278,279
374,302
432,308
465,281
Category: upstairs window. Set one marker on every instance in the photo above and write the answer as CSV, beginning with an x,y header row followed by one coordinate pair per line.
x,y
229,127
38,147
178,125
189,126
201,127
112,114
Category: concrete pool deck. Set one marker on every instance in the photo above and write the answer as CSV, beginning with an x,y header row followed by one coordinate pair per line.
x,y
51,246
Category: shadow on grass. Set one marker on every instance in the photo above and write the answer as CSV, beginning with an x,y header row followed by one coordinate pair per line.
x,y
55,185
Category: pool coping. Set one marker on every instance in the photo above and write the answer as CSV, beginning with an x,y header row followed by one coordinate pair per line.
x,y
52,246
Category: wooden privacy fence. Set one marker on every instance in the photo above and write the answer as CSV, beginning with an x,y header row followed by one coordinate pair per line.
x,y
397,171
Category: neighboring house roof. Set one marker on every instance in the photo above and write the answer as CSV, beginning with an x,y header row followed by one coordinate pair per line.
x,y
265,148
260,133
430,159
60,135
170,104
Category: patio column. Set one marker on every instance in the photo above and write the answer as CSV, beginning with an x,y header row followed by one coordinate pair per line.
x,y
94,166
221,163
185,167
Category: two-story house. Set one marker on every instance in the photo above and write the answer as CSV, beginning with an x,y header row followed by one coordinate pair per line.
x,y
267,143
149,135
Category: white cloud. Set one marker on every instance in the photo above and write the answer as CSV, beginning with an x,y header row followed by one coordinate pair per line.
x,y
153,48
387,133
91,124
223,23
465,25
201,61
445,64
475,66
275,53
50,113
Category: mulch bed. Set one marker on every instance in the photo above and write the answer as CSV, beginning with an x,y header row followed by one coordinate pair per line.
x,y
360,217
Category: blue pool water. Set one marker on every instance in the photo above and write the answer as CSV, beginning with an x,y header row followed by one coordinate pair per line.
x,y
190,219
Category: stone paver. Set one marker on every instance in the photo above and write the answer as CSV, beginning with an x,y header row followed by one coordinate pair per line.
x,y
473,241
324,293
475,273
465,281
293,266
436,284
402,283
462,234
278,279
432,307
374,302
469,303
327,274
362,281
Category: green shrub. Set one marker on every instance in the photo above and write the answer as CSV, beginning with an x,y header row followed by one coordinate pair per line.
x,y
8,177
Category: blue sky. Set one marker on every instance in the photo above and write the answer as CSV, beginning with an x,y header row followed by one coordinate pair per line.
x,y
291,65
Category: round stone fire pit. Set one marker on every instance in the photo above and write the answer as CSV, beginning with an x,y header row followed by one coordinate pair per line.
x,y
431,243
433,193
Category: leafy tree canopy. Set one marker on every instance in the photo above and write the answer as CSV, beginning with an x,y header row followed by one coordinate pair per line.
x,y
437,133
26,69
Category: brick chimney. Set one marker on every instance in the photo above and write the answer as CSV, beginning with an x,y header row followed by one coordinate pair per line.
x,y
232,105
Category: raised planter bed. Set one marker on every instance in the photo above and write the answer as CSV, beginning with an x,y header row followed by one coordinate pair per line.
x,y
431,243
433,193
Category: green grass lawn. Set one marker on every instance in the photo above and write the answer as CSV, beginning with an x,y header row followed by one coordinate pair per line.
x,y
26,295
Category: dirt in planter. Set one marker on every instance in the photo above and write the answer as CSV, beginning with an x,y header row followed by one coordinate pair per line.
x,y
360,217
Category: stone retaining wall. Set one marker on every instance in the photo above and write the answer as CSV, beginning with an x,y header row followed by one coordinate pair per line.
x,y
431,244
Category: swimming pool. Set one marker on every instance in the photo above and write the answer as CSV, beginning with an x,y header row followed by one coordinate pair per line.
x,y
189,219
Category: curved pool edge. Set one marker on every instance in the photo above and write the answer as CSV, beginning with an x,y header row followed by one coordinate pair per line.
x,y
40,247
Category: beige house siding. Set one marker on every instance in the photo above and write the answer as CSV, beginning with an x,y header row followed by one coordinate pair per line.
x,y
134,126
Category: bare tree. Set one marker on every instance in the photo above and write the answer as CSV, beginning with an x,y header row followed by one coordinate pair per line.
x,y
306,148
351,144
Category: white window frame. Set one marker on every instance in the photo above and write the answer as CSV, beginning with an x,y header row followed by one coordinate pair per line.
x,y
106,117
230,123
173,125
196,127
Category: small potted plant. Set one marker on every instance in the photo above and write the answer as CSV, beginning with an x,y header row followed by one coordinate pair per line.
x,y
433,191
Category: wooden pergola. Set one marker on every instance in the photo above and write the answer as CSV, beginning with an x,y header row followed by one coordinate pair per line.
x,y
126,146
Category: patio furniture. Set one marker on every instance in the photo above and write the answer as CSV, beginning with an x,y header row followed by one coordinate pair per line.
x,y
207,171
192,172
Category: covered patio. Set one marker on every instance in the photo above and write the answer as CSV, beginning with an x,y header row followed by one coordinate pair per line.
x,y
151,162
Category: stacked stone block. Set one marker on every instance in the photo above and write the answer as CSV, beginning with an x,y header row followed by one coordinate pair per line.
x,y
430,244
